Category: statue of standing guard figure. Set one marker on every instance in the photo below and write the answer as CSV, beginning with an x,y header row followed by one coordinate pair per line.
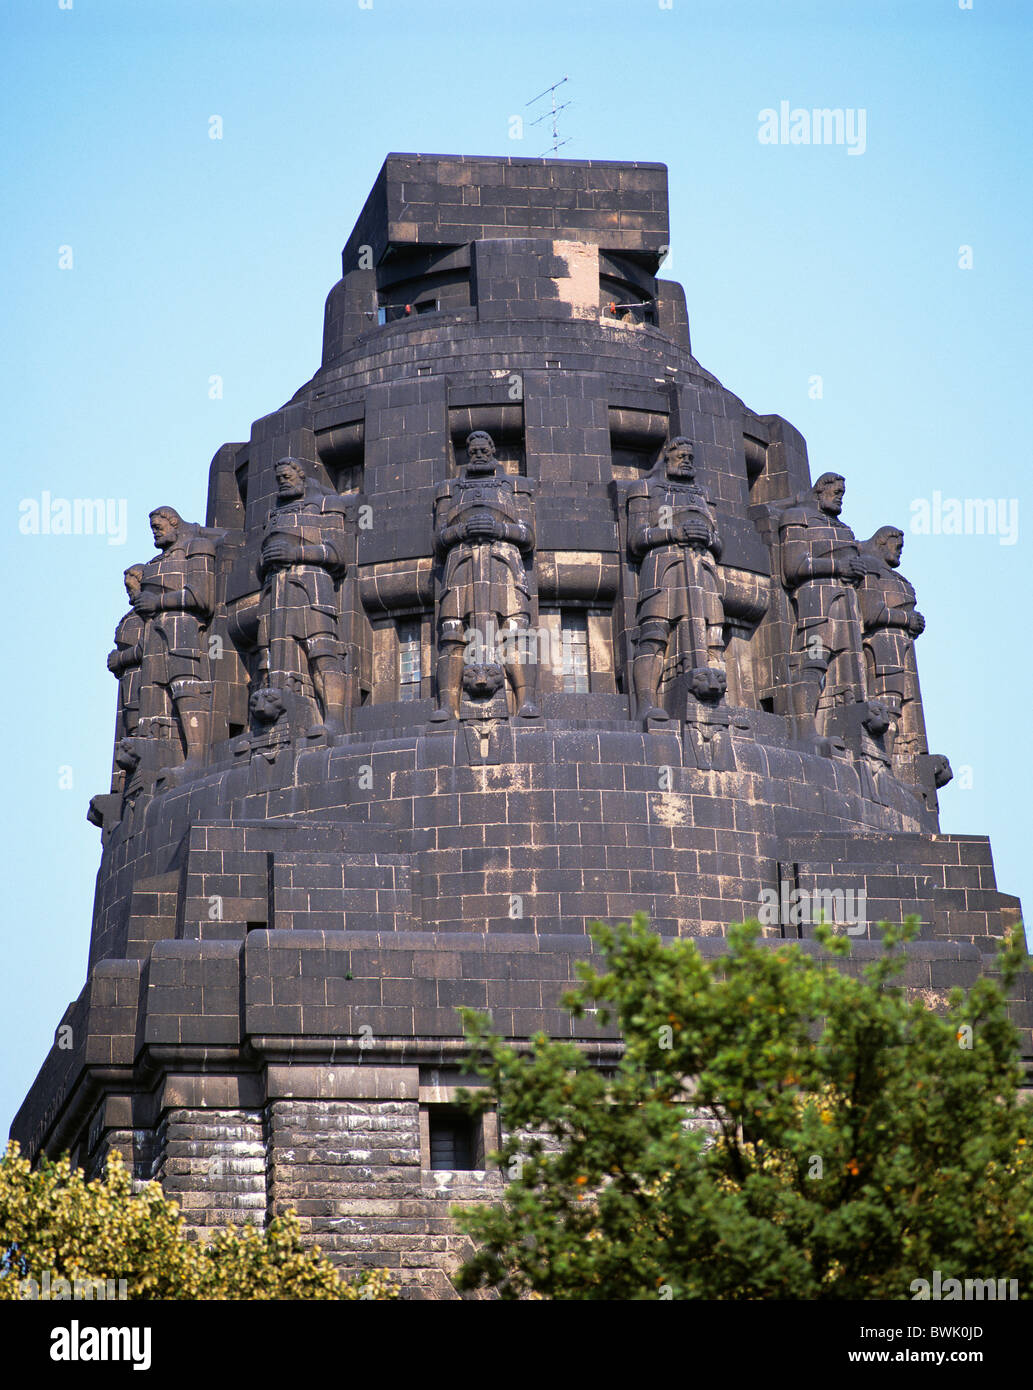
x,y
124,659
176,602
673,528
821,569
484,534
303,557
891,624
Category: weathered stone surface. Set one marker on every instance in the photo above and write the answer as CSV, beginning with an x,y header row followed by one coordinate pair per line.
x,y
346,801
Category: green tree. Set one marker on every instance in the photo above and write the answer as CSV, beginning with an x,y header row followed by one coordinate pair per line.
x,y
54,1223
778,1128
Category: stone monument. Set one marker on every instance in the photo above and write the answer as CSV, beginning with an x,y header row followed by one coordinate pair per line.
x,y
511,619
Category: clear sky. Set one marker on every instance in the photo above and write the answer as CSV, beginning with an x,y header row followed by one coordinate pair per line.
x,y
194,257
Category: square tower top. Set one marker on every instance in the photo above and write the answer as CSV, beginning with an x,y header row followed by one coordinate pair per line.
x,y
427,200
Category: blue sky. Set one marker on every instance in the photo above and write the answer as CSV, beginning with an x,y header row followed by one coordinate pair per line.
x,y
194,257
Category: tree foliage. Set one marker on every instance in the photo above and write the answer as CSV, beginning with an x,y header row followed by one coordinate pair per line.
x,y
56,1225
777,1129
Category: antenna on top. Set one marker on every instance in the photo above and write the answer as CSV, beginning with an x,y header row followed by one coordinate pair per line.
x,y
557,143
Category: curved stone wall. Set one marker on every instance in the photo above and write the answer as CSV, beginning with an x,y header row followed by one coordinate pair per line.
x,y
341,807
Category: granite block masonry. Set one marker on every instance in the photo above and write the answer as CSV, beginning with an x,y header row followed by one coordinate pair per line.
x,y
511,619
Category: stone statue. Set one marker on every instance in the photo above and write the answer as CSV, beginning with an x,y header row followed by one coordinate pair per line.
x,y
124,660
484,534
821,569
891,623
270,731
176,600
266,706
303,557
672,527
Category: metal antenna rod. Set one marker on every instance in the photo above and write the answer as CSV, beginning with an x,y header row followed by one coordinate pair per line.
x,y
557,143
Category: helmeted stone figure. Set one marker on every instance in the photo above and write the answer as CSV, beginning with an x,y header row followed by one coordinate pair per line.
x,y
821,569
672,526
176,601
891,623
302,559
124,659
484,535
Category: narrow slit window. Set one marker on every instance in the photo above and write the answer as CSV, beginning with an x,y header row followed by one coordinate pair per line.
x,y
409,659
574,635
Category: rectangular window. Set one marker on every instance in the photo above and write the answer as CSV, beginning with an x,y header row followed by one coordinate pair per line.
x,y
574,638
409,658
454,1139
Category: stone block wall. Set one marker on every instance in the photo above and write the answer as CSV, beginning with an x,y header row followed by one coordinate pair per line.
x,y
213,1164
285,925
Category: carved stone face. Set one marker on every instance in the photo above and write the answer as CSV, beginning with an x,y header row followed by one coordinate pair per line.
x,y
890,547
266,705
942,770
163,529
830,496
132,582
481,681
290,482
127,754
680,459
480,454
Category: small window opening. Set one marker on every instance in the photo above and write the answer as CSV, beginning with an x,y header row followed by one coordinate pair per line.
x,y
409,659
453,1139
574,634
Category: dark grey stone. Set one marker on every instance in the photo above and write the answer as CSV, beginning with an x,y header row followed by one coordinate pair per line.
x,y
330,821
